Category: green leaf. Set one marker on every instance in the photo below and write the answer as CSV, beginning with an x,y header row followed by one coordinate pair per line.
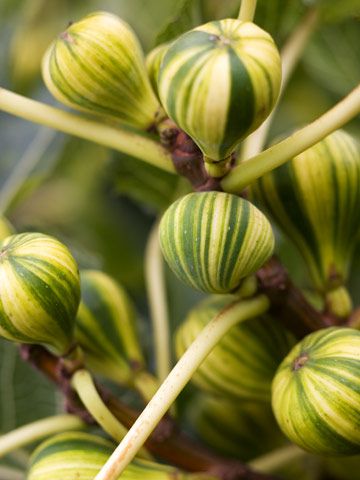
x,y
332,58
25,395
187,16
143,183
335,10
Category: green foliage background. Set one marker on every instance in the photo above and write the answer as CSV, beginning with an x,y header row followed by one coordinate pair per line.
x,y
101,203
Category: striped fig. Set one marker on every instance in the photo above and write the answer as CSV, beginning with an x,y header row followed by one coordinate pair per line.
x,y
212,240
97,66
39,291
243,363
316,393
219,82
315,199
106,331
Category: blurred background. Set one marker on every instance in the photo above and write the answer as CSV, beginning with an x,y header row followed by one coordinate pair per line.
x,y
101,203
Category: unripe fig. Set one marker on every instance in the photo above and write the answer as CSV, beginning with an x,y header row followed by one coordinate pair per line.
x,y
105,328
315,199
316,393
219,82
5,228
153,62
97,65
80,456
212,240
243,363
235,428
39,291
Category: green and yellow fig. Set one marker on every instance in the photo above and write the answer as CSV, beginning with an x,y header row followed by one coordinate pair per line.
x,y
80,456
106,331
315,199
219,82
235,428
97,66
316,392
5,228
243,363
39,291
212,240
153,62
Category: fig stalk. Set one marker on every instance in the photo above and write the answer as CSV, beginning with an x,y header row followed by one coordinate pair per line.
x,y
247,10
176,381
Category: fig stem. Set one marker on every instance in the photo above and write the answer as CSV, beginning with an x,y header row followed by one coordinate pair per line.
x,y
290,56
273,461
120,139
246,173
156,292
83,383
247,10
37,430
176,381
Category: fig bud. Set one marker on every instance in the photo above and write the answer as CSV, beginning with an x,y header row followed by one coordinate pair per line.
x,y
97,65
316,394
243,363
105,328
219,82
39,291
315,199
212,240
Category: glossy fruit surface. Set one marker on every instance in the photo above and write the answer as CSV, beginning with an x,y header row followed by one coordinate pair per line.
x,y
316,392
219,82
39,291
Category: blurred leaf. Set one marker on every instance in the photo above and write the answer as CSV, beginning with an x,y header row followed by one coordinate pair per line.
x,y
152,187
25,395
332,58
336,11
187,16
214,10
39,23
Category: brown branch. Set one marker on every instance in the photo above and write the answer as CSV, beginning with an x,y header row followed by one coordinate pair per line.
x,y
288,303
187,157
167,442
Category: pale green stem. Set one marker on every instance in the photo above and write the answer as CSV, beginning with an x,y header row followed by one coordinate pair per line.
x,y
176,381
36,430
247,10
7,473
273,461
125,141
290,56
24,167
83,383
249,171
156,290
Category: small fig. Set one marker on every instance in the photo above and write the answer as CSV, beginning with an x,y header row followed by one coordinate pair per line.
x,y
97,65
243,363
212,240
316,393
219,82
106,329
39,291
